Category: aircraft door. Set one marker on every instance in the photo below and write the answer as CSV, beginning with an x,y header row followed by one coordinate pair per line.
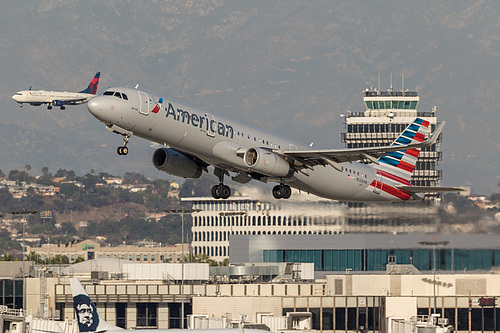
x,y
211,125
143,103
378,183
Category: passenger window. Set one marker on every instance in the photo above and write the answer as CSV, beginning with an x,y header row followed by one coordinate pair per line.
x,y
125,97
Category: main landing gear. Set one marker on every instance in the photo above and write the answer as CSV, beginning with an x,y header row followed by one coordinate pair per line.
x,y
220,191
282,191
123,150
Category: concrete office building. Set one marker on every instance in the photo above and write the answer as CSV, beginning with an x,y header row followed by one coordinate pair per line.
x,y
338,303
89,249
218,220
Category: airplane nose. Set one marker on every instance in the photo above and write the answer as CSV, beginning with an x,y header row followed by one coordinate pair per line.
x,y
14,97
96,106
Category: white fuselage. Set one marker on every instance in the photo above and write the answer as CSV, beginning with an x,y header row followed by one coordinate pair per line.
x,y
216,140
38,97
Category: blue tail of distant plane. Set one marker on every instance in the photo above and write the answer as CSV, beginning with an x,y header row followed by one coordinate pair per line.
x,y
92,88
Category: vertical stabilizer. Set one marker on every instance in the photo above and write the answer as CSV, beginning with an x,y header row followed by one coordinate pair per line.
x,y
402,163
92,87
89,319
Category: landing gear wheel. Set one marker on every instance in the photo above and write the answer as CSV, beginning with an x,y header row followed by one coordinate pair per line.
x,y
221,191
286,192
282,191
277,192
49,107
224,191
63,107
122,150
215,192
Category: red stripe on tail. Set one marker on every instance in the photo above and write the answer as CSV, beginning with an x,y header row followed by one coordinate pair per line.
x,y
406,166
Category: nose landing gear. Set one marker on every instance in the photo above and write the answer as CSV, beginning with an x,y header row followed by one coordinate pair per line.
x,y
123,150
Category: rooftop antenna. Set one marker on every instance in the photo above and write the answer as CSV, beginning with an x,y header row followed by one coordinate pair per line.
x,y
402,81
391,82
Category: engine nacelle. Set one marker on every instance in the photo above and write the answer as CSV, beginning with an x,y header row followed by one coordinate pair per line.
x,y
175,163
57,103
266,162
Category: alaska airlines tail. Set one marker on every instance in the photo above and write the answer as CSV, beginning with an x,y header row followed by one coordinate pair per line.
x,y
402,163
92,88
89,319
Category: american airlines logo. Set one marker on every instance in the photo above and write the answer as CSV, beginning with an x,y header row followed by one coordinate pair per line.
x,y
202,122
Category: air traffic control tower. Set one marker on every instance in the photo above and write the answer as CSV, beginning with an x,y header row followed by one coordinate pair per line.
x,y
386,115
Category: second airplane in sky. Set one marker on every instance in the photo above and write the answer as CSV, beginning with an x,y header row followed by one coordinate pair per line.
x,y
57,98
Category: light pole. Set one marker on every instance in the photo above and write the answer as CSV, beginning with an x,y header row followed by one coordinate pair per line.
x,y
23,213
181,212
434,244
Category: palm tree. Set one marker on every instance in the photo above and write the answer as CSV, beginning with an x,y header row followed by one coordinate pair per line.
x,y
33,256
28,170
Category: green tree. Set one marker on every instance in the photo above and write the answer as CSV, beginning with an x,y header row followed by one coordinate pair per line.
x,y
8,257
69,175
59,259
33,256
46,177
79,259
68,228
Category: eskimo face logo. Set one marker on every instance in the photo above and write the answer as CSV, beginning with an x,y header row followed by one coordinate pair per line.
x,y
86,312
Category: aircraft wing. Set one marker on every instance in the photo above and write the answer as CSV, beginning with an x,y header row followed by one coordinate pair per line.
x,y
310,158
75,101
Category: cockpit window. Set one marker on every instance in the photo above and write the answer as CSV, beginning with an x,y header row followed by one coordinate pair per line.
x,y
116,94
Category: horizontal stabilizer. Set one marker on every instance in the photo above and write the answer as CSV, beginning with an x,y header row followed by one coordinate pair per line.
x,y
428,189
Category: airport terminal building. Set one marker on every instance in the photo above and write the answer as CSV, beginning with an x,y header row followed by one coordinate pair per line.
x,y
365,253
346,302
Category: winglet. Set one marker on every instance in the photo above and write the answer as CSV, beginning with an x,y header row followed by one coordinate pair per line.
x,y
89,319
435,135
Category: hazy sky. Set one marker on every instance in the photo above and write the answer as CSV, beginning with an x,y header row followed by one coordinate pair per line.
x,y
288,66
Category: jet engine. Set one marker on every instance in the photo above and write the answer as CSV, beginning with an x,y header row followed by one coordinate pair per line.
x,y
57,103
266,162
175,163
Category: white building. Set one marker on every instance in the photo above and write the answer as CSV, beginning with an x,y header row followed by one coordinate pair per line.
x,y
217,220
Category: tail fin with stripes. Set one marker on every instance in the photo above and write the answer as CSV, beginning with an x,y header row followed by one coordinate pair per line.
x,y
402,163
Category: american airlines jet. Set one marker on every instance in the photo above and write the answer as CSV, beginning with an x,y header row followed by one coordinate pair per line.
x,y
57,98
89,319
193,139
